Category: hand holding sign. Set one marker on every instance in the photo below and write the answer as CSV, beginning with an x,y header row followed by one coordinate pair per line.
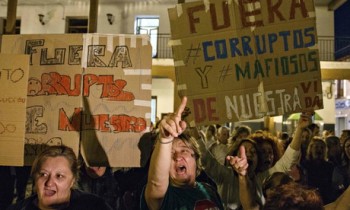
x,y
239,163
305,118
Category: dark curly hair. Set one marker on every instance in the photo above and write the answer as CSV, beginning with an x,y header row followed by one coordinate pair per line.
x,y
266,137
293,196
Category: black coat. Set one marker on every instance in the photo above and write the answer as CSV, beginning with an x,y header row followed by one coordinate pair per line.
x,y
79,200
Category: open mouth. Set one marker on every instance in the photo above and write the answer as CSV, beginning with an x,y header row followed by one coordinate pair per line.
x,y
48,192
181,169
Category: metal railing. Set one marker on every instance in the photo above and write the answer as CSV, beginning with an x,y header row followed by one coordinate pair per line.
x,y
163,49
326,48
330,49
342,48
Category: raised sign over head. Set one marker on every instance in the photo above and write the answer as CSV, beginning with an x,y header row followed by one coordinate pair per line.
x,y
245,59
90,92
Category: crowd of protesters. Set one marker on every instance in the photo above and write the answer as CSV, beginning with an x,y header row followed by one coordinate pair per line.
x,y
212,167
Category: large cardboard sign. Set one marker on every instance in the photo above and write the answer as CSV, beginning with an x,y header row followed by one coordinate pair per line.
x,y
14,71
90,91
240,60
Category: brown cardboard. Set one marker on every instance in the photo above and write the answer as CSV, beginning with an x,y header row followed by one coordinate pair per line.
x,y
13,97
128,106
201,18
93,92
234,67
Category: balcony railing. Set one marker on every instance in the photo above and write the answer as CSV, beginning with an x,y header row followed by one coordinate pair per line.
x,y
164,50
326,48
342,48
330,49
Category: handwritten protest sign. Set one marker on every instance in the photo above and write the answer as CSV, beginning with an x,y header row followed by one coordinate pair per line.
x,y
240,60
14,71
91,92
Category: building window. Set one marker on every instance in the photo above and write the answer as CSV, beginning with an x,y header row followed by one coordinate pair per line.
x,y
76,25
17,27
154,109
150,26
340,88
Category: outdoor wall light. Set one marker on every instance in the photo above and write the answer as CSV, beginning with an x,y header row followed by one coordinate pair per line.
x,y
41,19
110,18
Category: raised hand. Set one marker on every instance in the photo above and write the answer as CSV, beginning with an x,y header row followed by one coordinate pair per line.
x,y
172,125
239,163
305,119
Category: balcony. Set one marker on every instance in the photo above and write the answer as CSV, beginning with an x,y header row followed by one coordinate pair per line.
x,y
330,49
164,50
342,48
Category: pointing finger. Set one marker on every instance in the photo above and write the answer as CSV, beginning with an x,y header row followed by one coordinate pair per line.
x,y
242,152
181,107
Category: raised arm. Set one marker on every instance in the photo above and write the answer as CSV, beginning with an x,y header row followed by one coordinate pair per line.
x,y
247,192
158,177
304,121
212,167
292,155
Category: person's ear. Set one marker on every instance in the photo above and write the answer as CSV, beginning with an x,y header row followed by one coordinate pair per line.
x,y
73,182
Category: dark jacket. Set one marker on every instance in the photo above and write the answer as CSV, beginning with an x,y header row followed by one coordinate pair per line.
x,y
105,186
78,201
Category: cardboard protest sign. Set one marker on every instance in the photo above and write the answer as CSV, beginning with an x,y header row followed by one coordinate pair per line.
x,y
88,90
241,60
119,99
13,96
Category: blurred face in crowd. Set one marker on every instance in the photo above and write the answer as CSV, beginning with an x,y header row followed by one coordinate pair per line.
x,y
183,165
318,150
95,172
305,136
242,135
316,131
347,148
53,182
223,135
334,148
252,156
210,132
344,135
267,156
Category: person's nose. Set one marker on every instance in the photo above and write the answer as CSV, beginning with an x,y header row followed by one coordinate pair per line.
x,y
49,181
177,156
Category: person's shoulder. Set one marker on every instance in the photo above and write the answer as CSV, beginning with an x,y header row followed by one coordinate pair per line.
x,y
26,204
79,194
208,189
85,200
341,169
206,186
214,146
